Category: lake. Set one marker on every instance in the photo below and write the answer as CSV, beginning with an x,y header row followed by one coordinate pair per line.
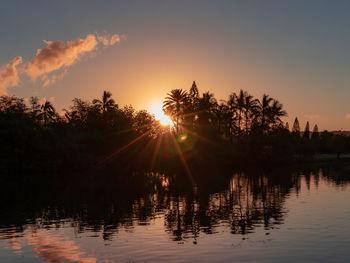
x,y
301,215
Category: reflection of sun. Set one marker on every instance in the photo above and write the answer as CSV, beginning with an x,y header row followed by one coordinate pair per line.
x,y
156,109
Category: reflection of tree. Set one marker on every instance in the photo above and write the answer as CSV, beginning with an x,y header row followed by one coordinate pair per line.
x,y
246,202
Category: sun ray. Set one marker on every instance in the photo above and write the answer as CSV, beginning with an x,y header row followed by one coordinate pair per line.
x,y
108,158
156,150
182,158
201,137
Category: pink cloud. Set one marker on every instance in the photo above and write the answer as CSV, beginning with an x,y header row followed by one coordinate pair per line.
x,y
108,40
9,75
57,55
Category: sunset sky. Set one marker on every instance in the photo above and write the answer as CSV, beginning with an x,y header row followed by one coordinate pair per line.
x,y
295,51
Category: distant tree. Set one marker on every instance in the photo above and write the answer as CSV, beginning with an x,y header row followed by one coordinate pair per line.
x,y
264,113
240,102
78,114
268,115
48,113
287,126
296,128
315,133
220,113
191,109
145,122
194,92
250,108
276,113
206,105
306,133
35,107
106,103
12,104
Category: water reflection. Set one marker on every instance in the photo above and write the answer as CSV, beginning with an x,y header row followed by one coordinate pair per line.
x,y
243,203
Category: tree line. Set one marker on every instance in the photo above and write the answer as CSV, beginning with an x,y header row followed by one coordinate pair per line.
x,y
99,133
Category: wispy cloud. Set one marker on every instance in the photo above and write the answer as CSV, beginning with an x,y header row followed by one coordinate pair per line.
x,y
9,75
109,40
52,62
57,55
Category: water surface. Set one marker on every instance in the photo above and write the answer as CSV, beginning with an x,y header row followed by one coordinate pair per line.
x,y
300,216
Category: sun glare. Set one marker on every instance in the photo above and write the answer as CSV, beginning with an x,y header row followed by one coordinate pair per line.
x,y
165,120
156,109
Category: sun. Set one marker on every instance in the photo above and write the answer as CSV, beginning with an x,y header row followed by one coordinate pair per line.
x,y
165,120
159,115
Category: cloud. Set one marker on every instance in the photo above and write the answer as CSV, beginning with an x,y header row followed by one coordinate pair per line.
x,y
347,116
50,80
109,40
9,75
57,55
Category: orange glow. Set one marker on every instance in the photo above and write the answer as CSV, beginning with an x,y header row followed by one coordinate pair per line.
x,y
156,110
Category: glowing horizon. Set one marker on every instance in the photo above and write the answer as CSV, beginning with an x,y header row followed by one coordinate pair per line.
x,y
140,54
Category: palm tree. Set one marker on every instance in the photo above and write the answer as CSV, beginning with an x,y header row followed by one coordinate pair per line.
x,y
221,113
174,105
47,113
240,101
263,113
250,108
206,105
106,103
276,113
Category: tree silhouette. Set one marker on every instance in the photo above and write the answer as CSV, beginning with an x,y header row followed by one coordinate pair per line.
x,y
48,112
296,128
206,105
106,103
174,105
287,126
250,109
306,133
194,92
276,113
315,133
35,107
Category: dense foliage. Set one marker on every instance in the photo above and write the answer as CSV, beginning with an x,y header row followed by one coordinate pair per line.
x,y
99,134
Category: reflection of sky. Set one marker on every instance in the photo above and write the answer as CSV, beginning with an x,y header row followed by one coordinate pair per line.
x,y
315,227
296,51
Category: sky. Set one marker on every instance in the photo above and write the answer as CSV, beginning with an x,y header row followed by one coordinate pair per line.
x,y
296,51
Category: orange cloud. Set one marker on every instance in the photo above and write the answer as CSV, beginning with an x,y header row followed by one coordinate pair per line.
x,y
50,80
109,40
9,75
57,55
